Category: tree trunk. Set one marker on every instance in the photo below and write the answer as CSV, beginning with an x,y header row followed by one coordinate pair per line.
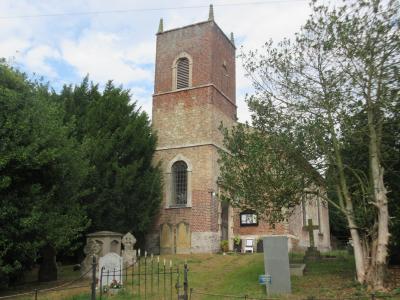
x,y
377,270
347,205
359,248
359,255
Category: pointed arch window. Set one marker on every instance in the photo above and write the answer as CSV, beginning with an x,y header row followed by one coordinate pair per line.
x,y
179,183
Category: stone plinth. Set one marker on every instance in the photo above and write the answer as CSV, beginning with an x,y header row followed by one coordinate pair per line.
x,y
312,254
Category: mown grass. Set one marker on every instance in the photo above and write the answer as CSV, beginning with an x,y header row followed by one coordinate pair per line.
x,y
237,274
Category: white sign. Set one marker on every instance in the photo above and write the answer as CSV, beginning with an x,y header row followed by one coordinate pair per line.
x,y
111,269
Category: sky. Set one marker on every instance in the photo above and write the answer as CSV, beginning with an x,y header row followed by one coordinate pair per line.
x,y
63,41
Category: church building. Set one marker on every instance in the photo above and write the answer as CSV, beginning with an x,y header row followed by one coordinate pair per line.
x,y
194,92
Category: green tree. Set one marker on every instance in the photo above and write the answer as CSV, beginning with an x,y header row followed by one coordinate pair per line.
x,y
41,174
124,187
343,62
355,154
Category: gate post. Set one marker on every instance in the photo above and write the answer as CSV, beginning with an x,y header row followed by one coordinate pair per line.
x,y
93,297
185,282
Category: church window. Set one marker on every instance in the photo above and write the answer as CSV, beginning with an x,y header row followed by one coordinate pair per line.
x,y
182,73
179,183
248,218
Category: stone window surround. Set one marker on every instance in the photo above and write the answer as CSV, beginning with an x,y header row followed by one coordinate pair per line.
x,y
174,69
168,186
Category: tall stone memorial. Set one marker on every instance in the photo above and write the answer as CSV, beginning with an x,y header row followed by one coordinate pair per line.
x,y
312,252
276,264
91,249
99,244
128,254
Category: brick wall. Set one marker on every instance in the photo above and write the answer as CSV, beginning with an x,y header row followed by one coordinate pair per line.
x,y
209,48
187,121
263,228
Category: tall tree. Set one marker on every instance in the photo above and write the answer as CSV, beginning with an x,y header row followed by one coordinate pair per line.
x,y
41,174
124,187
344,62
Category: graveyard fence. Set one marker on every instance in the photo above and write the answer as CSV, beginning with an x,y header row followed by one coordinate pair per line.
x,y
145,278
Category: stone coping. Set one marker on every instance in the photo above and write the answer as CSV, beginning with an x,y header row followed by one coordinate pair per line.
x,y
104,233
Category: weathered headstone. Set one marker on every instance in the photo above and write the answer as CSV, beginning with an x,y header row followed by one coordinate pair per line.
x,y
276,264
312,252
110,268
166,239
128,254
91,249
182,238
48,266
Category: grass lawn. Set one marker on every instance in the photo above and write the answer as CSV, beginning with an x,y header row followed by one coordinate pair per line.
x,y
237,275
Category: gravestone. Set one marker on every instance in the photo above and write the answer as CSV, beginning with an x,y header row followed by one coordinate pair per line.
x,y
276,265
99,244
128,254
166,239
110,269
182,238
48,266
92,248
312,252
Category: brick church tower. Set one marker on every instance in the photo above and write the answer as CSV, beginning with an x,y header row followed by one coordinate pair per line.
x,y
194,93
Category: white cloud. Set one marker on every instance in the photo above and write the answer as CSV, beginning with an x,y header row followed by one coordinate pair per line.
x,y
121,46
104,56
12,48
36,60
144,52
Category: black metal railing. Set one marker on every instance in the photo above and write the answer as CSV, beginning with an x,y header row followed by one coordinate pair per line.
x,y
146,278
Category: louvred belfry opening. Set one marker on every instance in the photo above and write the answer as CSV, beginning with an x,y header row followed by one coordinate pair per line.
x,y
182,73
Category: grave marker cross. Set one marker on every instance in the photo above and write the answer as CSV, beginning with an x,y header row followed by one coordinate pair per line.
x,y
310,228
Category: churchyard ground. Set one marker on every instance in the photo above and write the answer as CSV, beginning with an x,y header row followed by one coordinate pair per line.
x,y
237,274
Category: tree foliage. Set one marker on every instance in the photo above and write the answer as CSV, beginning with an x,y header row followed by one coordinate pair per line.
x,y
70,163
124,188
263,172
332,86
41,173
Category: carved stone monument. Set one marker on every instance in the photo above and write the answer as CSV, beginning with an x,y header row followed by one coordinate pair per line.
x,y
110,241
128,254
91,249
99,244
110,268
312,252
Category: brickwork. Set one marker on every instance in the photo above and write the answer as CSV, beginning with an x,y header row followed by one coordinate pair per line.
x,y
223,67
263,227
187,121
209,49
